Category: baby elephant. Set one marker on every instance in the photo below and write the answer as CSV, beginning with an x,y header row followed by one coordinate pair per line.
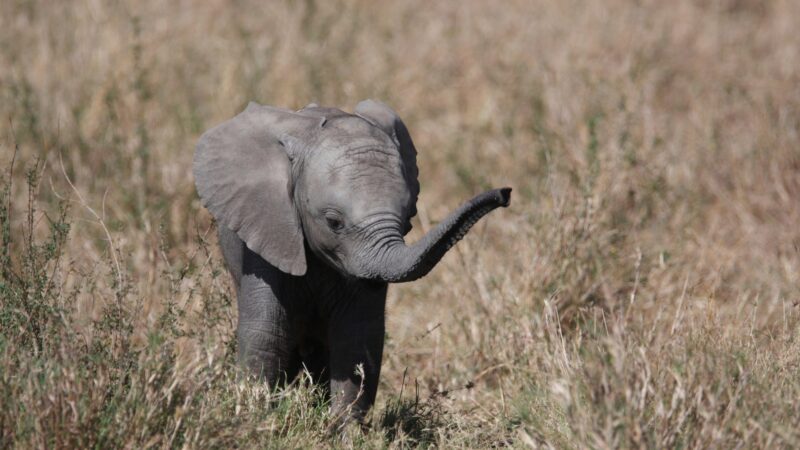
x,y
312,207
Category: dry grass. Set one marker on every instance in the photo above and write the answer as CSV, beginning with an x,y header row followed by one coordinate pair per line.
x,y
643,290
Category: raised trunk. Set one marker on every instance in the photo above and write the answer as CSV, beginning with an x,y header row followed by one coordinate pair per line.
x,y
402,263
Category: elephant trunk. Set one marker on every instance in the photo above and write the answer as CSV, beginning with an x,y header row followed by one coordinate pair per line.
x,y
401,263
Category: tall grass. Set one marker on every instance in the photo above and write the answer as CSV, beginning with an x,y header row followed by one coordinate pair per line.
x,y
642,290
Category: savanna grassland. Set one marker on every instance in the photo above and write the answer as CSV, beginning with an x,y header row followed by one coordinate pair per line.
x,y
642,291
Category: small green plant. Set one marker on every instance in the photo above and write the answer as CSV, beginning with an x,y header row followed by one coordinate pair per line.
x,y
29,282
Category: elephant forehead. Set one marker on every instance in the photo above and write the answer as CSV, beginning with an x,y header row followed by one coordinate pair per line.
x,y
348,126
377,196
367,170
350,132
356,157
365,182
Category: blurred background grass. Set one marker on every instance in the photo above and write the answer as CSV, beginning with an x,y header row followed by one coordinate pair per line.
x,y
642,290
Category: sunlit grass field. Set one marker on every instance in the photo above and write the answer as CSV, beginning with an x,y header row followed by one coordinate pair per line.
x,y
641,291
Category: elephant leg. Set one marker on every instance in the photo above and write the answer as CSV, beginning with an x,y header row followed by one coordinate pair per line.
x,y
267,344
356,334
314,356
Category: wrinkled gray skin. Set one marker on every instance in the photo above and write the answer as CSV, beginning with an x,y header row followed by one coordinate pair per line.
x,y
312,208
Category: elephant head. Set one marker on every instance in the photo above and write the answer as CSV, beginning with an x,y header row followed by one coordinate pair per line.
x,y
344,185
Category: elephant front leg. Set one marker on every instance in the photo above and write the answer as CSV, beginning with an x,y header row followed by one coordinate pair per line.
x,y
356,349
267,346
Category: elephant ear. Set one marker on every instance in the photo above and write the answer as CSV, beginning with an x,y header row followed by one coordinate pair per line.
x,y
243,176
382,116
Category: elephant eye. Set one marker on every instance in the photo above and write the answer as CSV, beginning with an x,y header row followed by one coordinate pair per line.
x,y
334,223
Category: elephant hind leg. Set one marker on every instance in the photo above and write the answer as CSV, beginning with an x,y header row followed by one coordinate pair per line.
x,y
315,359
